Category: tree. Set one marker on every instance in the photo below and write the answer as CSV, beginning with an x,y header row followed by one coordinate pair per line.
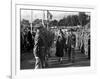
x,y
75,20
54,23
61,22
24,24
68,21
36,21
83,18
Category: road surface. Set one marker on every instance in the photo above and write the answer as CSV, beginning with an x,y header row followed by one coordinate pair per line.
x,y
81,60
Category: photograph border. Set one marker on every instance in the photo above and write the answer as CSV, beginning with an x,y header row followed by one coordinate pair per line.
x,y
14,54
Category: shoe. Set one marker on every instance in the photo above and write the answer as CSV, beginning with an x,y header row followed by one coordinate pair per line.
x,y
61,60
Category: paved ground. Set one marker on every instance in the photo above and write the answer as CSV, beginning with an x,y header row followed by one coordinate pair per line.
x,y
28,61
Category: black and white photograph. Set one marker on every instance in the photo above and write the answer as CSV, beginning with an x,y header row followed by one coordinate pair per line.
x,y
50,39
54,39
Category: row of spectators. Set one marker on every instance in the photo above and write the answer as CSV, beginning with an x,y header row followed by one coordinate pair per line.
x,y
27,40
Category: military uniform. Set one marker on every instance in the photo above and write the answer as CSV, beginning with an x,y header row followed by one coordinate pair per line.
x,y
39,51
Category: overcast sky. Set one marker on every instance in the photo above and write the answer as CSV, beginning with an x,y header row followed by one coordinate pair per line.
x,y
38,14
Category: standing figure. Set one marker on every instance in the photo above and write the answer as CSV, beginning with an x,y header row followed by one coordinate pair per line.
x,y
29,39
89,48
60,46
39,49
71,46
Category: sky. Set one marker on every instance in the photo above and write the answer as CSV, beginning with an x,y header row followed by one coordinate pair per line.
x,y
38,14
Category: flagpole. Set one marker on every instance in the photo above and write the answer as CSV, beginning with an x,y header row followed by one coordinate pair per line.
x,y
47,19
43,18
31,19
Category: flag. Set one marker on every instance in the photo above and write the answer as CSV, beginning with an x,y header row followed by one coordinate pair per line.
x,y
49,16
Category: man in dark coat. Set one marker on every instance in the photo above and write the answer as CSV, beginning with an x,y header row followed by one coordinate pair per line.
x,y
71,46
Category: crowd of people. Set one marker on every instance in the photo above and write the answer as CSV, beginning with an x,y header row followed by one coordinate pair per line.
x,y
35,41
61,47
27,40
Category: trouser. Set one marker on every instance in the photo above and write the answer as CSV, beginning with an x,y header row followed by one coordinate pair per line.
x,y
66,50
40,63
71,54
40,60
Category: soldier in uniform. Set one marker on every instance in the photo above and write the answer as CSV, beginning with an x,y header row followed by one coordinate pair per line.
x,y
71,46
39,49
